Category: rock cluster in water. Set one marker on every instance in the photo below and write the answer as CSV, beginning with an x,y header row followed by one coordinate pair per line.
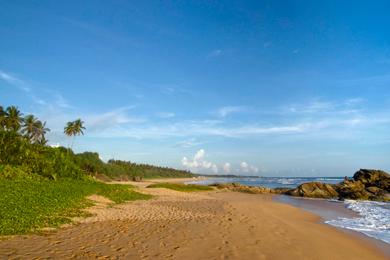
x,y
365,185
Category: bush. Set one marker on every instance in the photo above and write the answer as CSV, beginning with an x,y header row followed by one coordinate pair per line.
x,y
181,187
14,172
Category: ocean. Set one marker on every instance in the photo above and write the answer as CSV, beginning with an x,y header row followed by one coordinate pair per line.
x,y
370,218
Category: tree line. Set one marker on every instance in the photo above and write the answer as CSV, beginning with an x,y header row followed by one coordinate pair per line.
x,y
25,153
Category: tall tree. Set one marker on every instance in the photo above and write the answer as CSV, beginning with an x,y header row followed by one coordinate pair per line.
x,y
13,119
34,129
74,128
39,133
30,123
79,127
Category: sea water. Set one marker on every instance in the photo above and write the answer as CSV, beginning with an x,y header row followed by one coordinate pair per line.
x,y
372,218
270,182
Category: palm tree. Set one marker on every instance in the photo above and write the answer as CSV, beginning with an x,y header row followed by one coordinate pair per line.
x,y
13,118
30,123
34,129
79,127
74,128
39,133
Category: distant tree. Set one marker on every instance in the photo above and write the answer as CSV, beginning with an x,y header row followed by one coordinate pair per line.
x,y
13,118
34,130
74,128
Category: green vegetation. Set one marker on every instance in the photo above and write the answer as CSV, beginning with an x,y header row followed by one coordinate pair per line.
x,y
181,187
30,204
23,145
43,186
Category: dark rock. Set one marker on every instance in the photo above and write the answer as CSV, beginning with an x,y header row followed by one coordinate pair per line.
x,y
352,190
376,178
243,188
365,185
314,190
376,191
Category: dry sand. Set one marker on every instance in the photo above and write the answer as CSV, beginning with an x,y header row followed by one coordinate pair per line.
x,y
207,225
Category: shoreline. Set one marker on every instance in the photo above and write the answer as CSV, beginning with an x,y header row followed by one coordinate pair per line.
x,y
329,210
202,225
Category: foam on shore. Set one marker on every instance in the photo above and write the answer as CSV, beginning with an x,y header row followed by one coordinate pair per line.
x,y
373,219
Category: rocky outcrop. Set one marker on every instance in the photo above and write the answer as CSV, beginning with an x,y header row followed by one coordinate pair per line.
x,y
352,190
373,178
365,185
243,188
314,190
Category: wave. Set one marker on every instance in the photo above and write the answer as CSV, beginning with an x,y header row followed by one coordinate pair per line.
x,y
373,220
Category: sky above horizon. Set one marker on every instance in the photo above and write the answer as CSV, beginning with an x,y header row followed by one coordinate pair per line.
x,y
271,88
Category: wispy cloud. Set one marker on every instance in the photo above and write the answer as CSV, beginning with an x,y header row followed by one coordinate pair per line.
x,y
14,81
214,53
100,32
346,106
227,110
370,80
97,122
188,143
165,114
54,99
193,129
172,89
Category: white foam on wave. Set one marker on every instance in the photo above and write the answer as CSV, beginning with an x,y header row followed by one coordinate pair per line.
x,y
373,220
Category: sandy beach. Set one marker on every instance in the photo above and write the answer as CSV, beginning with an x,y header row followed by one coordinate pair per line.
x,y
202,225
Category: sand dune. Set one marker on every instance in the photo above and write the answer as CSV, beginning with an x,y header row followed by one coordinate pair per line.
x,y
177,225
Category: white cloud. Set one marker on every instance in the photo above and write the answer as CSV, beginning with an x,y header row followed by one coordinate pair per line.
x,y
353,101
188,143
199,164
165,114
15,81
246,168
312,107
227,110
318,107
53,100
226,167
61,102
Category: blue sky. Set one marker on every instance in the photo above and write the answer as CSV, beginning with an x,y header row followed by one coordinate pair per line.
x,y
272,88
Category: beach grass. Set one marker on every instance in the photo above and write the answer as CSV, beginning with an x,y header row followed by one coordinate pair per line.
x,y
29,205
181,187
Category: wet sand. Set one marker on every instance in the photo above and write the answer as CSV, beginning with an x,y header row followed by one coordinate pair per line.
x,y
329,210
207,225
